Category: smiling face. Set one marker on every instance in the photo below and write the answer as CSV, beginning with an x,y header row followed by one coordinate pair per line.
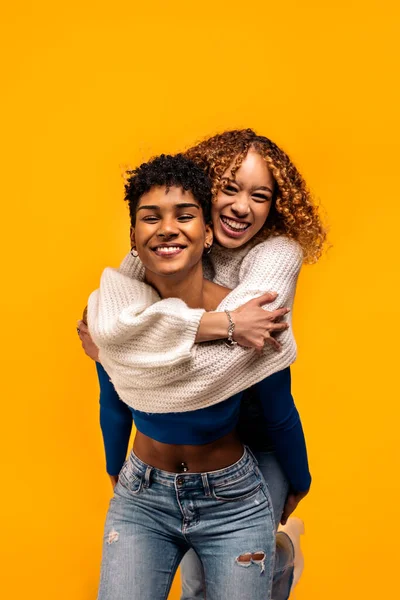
x,y
243,203
170,234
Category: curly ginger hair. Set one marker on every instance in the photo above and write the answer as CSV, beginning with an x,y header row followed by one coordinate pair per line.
x,y
293,212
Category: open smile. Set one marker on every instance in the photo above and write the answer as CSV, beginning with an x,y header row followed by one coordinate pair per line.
x,y
234,227
168,250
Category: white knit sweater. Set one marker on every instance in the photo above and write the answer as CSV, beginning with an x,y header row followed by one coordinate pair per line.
x,y
147,345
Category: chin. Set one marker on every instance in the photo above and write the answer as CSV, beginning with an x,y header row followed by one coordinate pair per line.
x,y
228,242
168,272
171,269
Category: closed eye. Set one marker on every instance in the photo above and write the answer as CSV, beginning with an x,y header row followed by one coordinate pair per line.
x,y
150,219
261,197
185,218
230,189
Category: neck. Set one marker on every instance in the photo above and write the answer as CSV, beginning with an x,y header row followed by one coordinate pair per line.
x,y
188,286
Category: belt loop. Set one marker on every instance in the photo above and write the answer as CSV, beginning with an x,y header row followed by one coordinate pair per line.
x,y
146,482
252,455
206,484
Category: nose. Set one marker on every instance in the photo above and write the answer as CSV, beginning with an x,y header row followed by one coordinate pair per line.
x,y
241,205
167,229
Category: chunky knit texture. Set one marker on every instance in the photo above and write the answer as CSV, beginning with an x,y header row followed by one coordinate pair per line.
x,y
147,345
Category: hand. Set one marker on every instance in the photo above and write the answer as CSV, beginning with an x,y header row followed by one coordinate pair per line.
x,y
291,504
114,480
254,326
88,344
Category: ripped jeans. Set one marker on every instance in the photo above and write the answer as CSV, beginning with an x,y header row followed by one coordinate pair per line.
x,y
155,517
192,577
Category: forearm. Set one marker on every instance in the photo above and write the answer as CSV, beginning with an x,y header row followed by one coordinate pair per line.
x,y
290,449
284,428
115,422
213,326
116,434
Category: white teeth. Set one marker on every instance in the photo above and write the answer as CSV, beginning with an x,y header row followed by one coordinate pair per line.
x,y
234,224
168,249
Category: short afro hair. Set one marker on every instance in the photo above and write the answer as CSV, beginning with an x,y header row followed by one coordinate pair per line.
x,y
169,171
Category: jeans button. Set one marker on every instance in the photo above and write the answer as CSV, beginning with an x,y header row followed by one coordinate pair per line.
x,y
180,481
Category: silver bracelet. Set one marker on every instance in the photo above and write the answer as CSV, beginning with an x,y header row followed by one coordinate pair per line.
x,y
230,342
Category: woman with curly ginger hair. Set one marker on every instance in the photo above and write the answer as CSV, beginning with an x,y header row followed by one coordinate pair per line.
x,y
260,202
293,212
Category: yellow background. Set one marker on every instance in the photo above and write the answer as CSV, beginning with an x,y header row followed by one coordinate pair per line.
x,y
92,86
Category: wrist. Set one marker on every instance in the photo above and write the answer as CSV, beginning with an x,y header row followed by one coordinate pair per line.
x,y
114,480
213,326
231,329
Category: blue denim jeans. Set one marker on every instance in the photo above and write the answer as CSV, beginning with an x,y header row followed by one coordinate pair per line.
x,y
155,517
192,576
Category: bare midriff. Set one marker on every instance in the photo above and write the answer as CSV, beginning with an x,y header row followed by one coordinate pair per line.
x,y
177,458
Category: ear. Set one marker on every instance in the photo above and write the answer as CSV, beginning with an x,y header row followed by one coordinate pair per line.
x,y
132,237
209,238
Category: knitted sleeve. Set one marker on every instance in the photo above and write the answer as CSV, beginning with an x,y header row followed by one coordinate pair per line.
x,y
127,313
186,378
125,307
126,320
271,266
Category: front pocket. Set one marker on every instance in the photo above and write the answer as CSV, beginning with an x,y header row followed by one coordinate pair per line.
x,y
130,480
239,489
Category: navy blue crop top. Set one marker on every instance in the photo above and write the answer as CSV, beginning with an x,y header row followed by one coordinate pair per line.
x,y
265,414
194,427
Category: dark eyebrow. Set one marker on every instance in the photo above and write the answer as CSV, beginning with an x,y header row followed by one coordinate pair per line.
x,y
155,207
187,205
261,187
148,207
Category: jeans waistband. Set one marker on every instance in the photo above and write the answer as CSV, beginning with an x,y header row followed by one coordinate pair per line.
x,y
244,465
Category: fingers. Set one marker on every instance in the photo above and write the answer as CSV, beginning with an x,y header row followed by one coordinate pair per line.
x,y
278,326
272,315
82,327
83,333
277,314
264,299
90,348
88,345
272,342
